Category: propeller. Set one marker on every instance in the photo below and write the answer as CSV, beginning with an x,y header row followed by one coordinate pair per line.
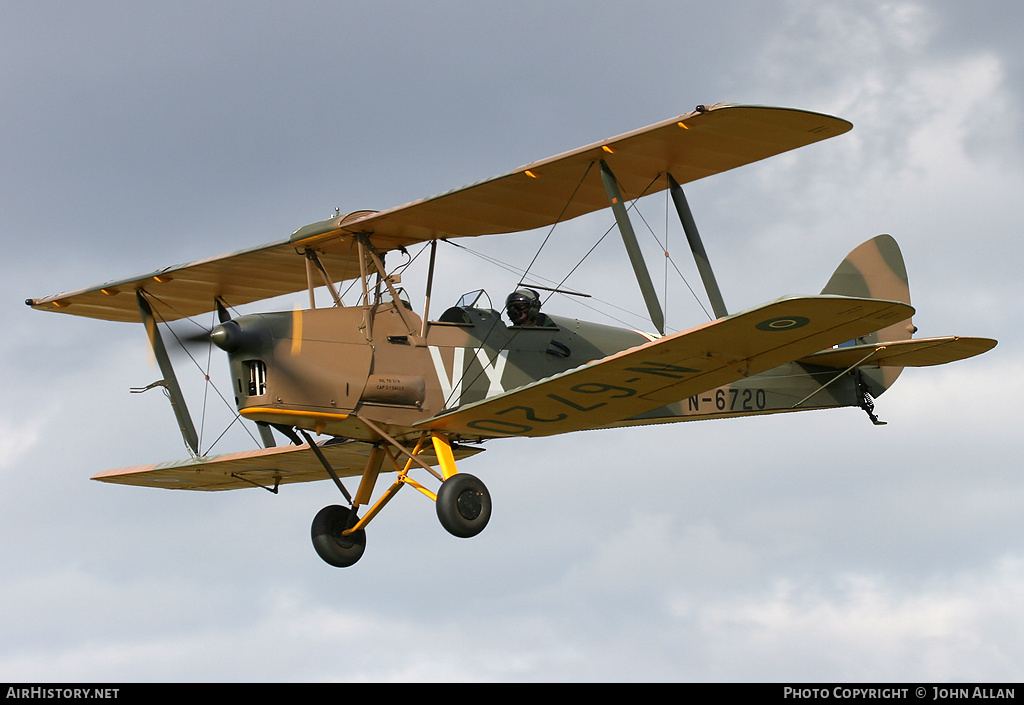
x,y
227,336
201,336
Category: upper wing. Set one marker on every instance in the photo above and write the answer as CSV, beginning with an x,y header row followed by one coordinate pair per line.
x,y
185,290
267,467
538,194
922,352
541,193
672,368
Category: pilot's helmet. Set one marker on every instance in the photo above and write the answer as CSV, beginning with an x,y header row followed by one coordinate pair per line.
x,y
522,306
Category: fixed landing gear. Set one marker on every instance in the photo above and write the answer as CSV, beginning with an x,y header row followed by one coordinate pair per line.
x,y
463,505
331,543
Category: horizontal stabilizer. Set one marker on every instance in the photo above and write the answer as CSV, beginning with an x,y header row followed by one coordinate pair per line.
x,y
267,467
902,353
629,383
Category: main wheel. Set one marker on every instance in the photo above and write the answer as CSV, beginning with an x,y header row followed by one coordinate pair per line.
x,y
335,548
463,505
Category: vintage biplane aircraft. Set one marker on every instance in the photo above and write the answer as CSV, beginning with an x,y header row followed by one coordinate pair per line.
x,y
398,391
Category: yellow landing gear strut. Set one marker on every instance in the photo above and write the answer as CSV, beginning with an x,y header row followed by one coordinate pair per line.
x,y
463,503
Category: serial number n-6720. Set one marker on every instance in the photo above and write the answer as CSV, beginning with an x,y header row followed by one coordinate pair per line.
x,y
729,399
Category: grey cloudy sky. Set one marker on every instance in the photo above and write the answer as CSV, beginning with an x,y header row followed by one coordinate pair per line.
x,y
796,547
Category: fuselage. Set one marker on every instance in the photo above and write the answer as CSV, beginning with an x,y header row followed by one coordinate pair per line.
x,y
321,369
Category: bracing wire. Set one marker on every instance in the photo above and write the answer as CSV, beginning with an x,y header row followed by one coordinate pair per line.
x,y
526,273
206,376
671,261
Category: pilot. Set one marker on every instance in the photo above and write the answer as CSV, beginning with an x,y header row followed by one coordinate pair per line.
x,y
523,308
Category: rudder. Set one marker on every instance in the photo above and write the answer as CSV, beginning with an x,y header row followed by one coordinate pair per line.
x,y
876,270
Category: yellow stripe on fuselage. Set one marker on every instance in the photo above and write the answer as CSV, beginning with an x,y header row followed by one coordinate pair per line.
x,y
297,331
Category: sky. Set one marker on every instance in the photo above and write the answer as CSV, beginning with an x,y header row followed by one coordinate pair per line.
x,y
795,547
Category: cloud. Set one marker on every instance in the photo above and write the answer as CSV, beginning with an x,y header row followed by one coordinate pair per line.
x,y
856,627
802,546
18,437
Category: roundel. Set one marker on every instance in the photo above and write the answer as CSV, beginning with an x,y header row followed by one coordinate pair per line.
x,y
783,323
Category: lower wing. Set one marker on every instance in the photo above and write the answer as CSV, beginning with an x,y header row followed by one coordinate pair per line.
x,y
267,468
671,368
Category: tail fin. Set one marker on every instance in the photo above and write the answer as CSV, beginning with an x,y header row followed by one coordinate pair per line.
x,y
876,270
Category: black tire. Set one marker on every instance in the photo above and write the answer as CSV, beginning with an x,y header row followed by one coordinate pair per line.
x,y
463,505
336,549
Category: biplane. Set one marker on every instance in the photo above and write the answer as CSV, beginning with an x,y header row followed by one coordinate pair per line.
x,y
396,391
